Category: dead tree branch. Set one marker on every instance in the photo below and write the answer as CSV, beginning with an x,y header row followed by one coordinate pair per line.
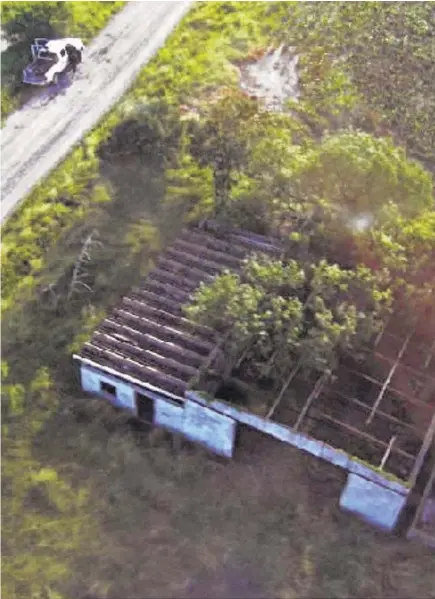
x,y
79,271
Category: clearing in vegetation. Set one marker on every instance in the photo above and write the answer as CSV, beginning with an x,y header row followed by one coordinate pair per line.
x,y
104,509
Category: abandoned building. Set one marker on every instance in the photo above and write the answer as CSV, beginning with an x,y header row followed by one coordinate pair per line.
x,y
147,358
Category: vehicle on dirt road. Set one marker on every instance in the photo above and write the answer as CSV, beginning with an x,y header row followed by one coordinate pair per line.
x,y
51,58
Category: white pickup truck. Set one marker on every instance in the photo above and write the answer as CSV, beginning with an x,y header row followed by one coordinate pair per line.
x,y
51,58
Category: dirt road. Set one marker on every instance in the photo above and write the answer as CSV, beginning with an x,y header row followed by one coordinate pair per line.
x,y
37,137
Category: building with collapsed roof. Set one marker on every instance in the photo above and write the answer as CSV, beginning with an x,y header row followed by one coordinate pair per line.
x,y
148,359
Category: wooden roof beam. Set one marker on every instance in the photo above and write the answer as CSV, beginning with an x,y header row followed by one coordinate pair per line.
x,y
167,276
147,357
199,237
164,332
183,270
148,341
129,367
166,290
388,379
198,261
219,257
174,321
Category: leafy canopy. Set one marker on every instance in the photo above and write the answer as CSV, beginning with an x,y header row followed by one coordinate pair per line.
x,y
361,173
286,312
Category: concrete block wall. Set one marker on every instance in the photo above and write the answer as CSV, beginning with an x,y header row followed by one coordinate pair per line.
x,y
367,493
196,422
125,395
376,504
213,430
168,414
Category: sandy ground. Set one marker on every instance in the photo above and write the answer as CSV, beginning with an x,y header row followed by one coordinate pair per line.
x,y
272,78
37,137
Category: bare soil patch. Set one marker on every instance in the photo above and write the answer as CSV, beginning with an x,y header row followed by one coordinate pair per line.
x,y
271,77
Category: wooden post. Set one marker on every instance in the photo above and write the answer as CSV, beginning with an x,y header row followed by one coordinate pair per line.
x,y
243,356
387,452
381,332
312,396
430,355
283,390
209,359
427,442
388,379
413,528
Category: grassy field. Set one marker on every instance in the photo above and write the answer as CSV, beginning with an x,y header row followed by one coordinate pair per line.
x,y
22,22
106,510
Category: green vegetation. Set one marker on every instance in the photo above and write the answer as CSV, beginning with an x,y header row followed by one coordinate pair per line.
x,y
42,509
358,172
23,21
116,508
372,66
284,313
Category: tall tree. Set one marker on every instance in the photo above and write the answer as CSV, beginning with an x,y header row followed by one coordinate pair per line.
x,y
220,140
360,173
285,312
406,248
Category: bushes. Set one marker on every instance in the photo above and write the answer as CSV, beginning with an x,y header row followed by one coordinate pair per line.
x,y
43,510
23,21
151,131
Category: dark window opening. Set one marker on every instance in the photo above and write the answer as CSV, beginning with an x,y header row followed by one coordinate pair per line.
x,y
145,408
108,388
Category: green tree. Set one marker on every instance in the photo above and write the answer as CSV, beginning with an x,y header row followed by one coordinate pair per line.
x,y
360,173
406,248
344,309
220,140
227,303
23,21
280,312
265,187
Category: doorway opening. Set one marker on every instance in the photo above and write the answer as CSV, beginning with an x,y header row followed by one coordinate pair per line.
x,y
145,408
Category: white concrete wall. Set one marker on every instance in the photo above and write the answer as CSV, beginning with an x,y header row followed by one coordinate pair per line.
x,y
168,414
91,383
367,493
205,426
374,503
313,446
193,420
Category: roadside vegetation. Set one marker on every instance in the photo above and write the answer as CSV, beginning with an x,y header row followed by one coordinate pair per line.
x,y
117,507
21,22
